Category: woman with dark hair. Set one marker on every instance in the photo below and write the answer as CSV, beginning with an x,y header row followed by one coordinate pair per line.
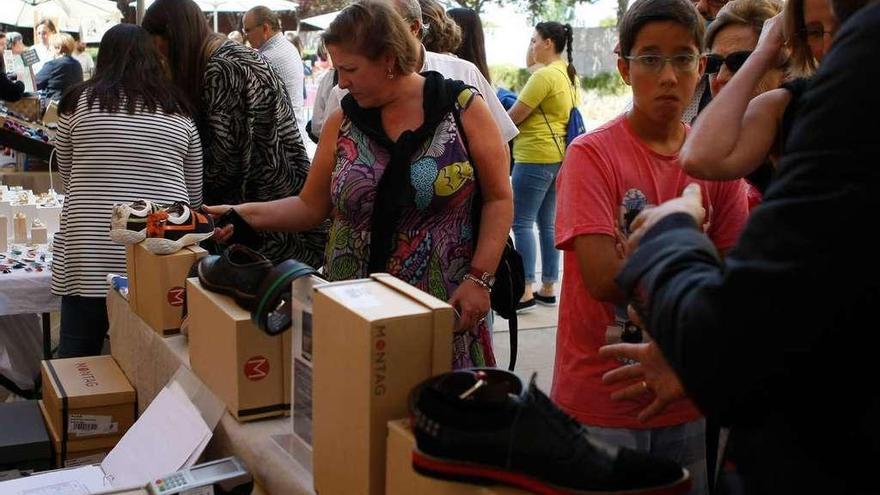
x,y
473,44
253,148
124,135
400,170
541,113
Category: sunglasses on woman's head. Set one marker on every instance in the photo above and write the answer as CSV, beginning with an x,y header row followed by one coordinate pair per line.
x,y
733,61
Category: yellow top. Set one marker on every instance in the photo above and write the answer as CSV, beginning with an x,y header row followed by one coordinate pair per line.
x,y
550,90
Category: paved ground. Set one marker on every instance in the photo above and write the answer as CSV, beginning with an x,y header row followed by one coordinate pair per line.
x,y
536,348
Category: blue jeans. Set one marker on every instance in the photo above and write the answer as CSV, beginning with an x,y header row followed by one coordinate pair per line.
x,y
534,199
83,326
684,444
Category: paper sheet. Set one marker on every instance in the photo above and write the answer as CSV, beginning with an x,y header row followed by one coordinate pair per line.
x,y
169,433
79,481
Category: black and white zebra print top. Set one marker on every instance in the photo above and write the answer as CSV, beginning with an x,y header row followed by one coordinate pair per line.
x,y
253,149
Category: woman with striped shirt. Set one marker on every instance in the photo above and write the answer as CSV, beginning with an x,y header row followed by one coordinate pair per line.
x,y
124,135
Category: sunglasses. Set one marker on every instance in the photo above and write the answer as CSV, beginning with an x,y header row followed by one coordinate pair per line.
x,y
733,61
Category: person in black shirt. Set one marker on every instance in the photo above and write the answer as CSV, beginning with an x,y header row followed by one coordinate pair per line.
x,y
774,340
9,90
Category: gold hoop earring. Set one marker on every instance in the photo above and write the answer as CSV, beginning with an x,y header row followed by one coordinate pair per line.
x,y
390,74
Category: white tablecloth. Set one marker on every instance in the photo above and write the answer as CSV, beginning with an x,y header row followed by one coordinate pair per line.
x,y
23,295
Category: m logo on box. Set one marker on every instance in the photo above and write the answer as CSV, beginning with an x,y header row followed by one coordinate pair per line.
x,y
256,368
176,296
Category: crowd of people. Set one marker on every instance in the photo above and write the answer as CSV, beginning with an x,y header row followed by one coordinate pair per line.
x,y
706,287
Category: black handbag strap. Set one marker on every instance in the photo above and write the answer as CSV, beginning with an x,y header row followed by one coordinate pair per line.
x,y
477,207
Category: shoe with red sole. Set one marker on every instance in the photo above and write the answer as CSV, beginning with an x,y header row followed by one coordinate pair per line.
x,y
485,426
176,227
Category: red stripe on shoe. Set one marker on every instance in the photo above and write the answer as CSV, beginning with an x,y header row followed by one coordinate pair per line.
x,y
490,473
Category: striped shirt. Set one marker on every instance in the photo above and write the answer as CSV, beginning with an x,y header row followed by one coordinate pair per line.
x,y
106,158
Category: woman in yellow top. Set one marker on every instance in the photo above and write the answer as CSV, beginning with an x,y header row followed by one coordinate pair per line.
x,y
541,113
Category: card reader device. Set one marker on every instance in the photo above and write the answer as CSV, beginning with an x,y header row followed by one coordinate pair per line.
x,y
227,476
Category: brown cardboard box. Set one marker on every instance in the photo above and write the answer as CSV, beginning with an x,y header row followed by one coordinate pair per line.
x,y
28,107
402,479
72,453
242,365
156,285
87,398
374,340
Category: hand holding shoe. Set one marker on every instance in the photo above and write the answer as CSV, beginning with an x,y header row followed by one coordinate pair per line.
x,y
221,234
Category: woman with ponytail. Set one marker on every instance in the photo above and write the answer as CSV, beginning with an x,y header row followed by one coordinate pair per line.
x,y
541,113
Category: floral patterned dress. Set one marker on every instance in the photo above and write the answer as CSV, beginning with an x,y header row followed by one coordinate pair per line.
x,y
433,241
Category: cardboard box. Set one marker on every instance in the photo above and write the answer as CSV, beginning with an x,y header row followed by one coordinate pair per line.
x,y
157,285
402,479
73,453
28,107
241,364
374,340
87,398
24,440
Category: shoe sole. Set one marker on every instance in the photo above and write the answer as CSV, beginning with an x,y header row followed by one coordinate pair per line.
x,y
159,245
124,236
246,301
542,303
485,475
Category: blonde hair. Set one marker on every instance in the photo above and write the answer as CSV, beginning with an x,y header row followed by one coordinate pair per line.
x,y
751,13
63,42
803,64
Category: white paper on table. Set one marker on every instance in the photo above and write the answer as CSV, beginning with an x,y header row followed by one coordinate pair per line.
x,y
161,441
79,481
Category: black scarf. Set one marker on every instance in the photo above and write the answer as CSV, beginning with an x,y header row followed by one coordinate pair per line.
x,y
394,191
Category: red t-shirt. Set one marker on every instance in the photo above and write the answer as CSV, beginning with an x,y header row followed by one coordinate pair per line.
x,y
608,176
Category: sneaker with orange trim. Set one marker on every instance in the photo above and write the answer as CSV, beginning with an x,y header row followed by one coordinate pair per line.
x,y
176,227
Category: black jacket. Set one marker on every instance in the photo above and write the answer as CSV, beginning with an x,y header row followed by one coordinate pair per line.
x,y
781,341
9,91
59,74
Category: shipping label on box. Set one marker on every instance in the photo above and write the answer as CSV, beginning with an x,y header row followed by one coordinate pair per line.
x,y
87,397
373,341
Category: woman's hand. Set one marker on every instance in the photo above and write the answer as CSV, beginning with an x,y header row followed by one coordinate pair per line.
x,y
690,202
223,234
472,303
772,38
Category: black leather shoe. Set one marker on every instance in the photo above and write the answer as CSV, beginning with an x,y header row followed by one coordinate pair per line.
x,y
237,272
483,425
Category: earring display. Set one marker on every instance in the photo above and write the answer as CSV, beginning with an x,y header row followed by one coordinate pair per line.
x,y
20,235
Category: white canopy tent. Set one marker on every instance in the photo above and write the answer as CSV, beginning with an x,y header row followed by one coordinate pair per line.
x,y
76,16
320,21
217,6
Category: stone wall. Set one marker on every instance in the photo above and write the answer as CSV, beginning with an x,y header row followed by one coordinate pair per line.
x,y
594,50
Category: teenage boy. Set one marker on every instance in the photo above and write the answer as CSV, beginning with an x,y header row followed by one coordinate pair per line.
x,y
608,177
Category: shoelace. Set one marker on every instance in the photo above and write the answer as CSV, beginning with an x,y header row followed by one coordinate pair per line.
x,y
542,403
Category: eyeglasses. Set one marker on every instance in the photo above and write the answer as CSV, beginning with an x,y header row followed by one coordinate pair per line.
x,y
816,33
683,62
733,61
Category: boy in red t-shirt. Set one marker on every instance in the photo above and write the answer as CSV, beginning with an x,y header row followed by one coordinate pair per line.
x,y
608,177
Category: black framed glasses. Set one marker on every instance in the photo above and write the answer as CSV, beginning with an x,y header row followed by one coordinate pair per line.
x,y
733,61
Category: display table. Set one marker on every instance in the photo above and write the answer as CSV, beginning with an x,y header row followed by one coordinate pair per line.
x,y
149,361
35,181
23,296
